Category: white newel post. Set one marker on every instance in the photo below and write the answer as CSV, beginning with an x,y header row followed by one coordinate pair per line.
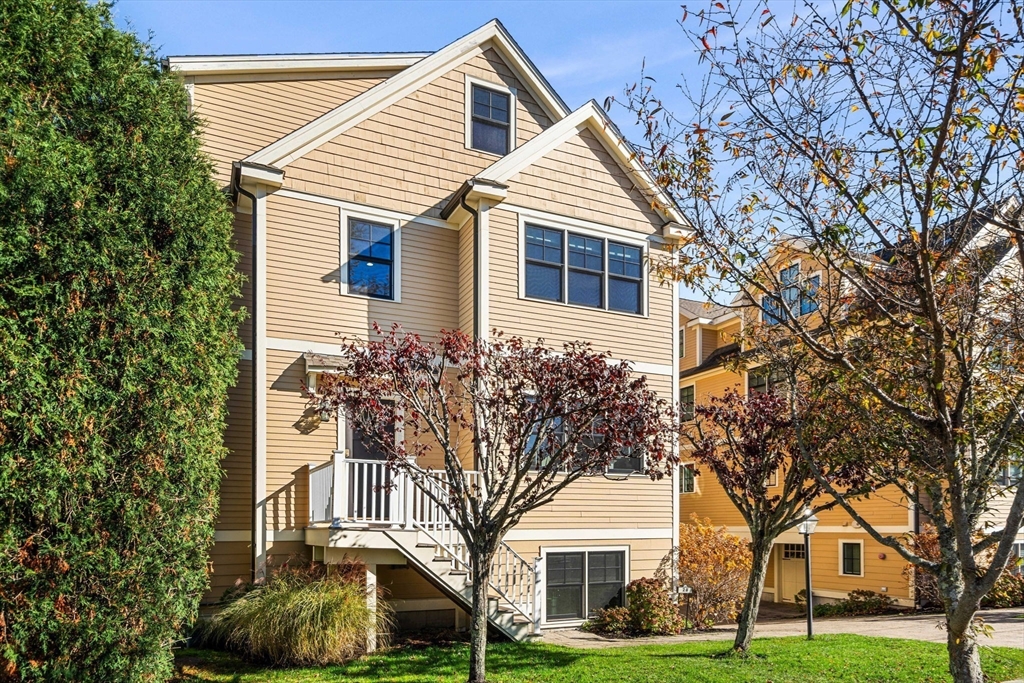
x,y
538,591
371,604
408,505
339,490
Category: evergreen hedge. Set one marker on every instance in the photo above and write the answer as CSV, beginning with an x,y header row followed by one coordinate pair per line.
x,y
117,347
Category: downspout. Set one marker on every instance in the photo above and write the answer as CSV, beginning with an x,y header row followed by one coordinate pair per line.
x,y
476,266
255,502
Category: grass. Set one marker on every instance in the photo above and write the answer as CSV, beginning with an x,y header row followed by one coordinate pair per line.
x,y
832,658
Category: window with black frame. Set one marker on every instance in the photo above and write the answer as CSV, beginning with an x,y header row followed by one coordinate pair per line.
x,y
491,121
370,258
580,583
852,559
598,273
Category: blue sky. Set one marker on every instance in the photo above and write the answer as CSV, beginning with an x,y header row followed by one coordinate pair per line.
x,y
586,49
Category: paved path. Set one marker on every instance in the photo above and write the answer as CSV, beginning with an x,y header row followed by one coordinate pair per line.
x,y
1007,626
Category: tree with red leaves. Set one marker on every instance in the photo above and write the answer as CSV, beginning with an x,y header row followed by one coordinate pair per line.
x,y
528,420
749,443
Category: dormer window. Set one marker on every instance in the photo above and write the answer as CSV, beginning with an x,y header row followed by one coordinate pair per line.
x,y
797,292
490,124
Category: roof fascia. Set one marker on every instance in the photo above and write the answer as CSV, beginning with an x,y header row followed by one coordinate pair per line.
x,y
238,64
358,109
589,116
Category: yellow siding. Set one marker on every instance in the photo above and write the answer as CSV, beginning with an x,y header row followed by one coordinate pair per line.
x,y
689,359
632,337
581,179
412,156
242,118
303,269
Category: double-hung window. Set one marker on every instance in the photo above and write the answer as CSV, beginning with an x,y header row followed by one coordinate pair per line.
x,y
598,273
687,479
686,403
798,294
851,552
490,120
371,258
580,583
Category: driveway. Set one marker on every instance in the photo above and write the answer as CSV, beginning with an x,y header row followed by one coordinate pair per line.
x,y
1007,630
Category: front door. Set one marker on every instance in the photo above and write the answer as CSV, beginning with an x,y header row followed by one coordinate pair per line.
x,y
792,576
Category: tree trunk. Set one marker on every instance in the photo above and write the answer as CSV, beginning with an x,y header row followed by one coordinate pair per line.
x,y
761,549
478,622
961,641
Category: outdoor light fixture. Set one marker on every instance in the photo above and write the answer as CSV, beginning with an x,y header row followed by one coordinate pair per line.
x,y
806,528
325,412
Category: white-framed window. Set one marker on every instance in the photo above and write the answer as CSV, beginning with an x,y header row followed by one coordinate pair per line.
x,y
371,255
851,558
1010,475
687,402
773,478
1016,563
490,117
578,581
688,478
798,292
574,266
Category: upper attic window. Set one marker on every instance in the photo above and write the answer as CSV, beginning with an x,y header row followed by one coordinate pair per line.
x,y
490,125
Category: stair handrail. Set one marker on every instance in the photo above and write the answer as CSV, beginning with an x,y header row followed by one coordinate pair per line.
x,y
517,580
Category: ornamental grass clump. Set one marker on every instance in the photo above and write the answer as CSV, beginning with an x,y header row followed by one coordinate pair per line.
x,y
308,616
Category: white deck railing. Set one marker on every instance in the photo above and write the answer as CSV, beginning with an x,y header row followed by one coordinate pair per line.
x,y
374,495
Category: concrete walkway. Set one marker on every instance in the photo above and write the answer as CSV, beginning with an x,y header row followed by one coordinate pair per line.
x,y
1007,630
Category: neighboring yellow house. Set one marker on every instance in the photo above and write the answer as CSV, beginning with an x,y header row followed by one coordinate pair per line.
x,y
441,190
843,556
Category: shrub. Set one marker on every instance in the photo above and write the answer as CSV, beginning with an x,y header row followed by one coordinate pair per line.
x,y
308,616
1008,592
715,564
117,349
857,603
649,611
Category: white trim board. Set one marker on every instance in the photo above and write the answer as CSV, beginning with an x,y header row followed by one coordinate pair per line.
x,y
238,536
363,106
302,346
235,64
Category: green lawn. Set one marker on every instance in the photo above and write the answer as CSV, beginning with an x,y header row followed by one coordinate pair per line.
x,y
832,658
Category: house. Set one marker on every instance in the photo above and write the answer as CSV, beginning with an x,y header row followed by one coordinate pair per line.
x,y
843,556
443,190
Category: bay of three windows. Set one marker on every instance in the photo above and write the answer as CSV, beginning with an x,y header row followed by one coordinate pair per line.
x,y
581,270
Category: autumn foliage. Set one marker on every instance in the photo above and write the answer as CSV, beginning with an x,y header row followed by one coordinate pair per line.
x,y
715,564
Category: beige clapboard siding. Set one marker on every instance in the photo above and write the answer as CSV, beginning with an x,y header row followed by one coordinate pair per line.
x,y
644,554
229,562
412,156
637,338
596,502
242,118
236,481
466,282
303,289
295,438
581,179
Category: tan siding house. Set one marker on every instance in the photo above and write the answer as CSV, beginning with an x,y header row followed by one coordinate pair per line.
x,y
323,150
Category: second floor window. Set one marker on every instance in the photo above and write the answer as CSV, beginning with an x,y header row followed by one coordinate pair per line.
x,y
491,121
371,259
798,293
599,273
687,479
686,403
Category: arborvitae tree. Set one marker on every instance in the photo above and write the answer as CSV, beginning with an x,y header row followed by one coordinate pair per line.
x,y
117,346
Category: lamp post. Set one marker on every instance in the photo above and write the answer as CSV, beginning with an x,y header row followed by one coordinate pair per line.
x,y
806,528
686,590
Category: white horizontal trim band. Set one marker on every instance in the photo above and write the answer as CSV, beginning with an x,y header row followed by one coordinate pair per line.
x,y
241,536
588,534
301,346
742,530
265,63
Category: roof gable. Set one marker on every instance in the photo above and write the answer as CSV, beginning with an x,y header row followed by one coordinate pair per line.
x,y
337,121
588,117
